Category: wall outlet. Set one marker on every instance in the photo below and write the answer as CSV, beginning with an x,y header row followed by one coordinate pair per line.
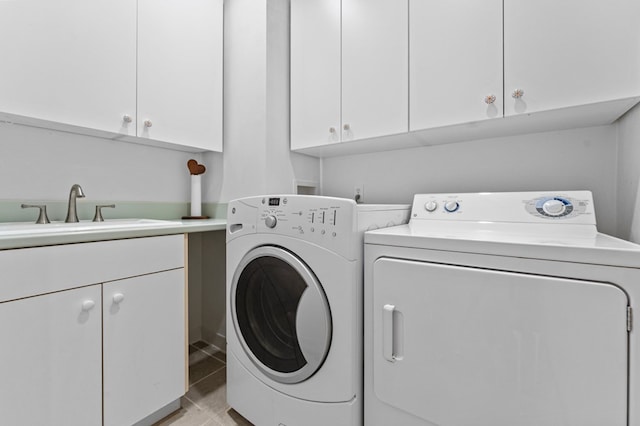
x,y
358,193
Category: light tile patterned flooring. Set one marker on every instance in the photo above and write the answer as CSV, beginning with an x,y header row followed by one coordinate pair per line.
x,y
206,402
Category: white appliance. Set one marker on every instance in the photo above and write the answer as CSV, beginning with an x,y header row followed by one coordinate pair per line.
x,y
294,307
501,309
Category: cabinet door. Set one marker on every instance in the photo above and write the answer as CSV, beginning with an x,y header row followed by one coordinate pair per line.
x,y
315,72
570,52
465,346
144,345
180,72
52,359
456,62
69,61
374,68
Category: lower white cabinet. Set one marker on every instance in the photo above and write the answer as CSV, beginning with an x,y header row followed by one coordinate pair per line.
x,y
51,359
144,345
92,333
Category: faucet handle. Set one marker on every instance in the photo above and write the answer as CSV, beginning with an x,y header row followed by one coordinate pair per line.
x,y
42,217
98,216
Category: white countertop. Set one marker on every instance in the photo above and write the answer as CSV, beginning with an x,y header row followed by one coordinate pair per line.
x,y
33,238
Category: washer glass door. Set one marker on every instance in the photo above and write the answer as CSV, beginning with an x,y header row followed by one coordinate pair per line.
x,y
281,314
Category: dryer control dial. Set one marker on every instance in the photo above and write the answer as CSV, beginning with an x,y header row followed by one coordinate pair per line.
x,y
271,221
451,206
554,206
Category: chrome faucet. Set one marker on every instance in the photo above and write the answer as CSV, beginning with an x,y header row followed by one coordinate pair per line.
x,y
72,212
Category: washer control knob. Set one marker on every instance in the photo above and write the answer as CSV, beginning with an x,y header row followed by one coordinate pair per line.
x,y
430,206
451,206
271,221
553,207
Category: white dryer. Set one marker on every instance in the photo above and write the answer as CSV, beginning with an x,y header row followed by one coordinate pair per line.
x,y
501,309
294,307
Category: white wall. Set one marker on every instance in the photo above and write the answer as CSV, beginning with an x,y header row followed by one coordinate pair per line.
x,y
39,164
562,160
628,199
256,157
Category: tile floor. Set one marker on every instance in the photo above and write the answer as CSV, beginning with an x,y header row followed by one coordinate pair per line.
x,y
205,404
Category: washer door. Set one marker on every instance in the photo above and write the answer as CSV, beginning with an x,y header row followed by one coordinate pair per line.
x,y
280,314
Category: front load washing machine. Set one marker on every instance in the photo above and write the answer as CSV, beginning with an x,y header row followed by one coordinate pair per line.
x,y
294,307
501,309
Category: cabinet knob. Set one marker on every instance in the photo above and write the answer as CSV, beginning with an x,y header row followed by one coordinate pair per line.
x,y
517,94
87,305
346,127
118,297
127,118
148,123
489,99
332,130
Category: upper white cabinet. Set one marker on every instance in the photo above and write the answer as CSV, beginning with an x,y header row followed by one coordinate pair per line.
x,y
151,71
374,68
349,70
180,72
456,62
563,53
315,72
475,69
69,61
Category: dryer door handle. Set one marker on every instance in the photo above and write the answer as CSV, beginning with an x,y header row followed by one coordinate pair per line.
x,y
387,332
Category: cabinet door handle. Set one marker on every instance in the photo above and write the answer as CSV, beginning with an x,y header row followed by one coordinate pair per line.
x,y
148,123
127,118
346,127
489,99
87,305
118,297
517,94
332,130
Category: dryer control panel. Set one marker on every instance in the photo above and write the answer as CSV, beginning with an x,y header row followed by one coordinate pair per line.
x,y
522,207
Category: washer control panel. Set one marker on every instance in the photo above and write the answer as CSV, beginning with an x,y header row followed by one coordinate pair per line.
x,y
523,207
337,224
310,218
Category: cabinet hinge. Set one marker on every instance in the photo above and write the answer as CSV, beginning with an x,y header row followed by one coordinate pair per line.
x,y
629,318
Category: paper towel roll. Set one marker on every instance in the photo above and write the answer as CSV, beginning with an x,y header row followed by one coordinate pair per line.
x,y
196,196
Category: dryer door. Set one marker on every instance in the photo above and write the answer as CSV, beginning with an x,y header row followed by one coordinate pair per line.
x,y
457,345
280,314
